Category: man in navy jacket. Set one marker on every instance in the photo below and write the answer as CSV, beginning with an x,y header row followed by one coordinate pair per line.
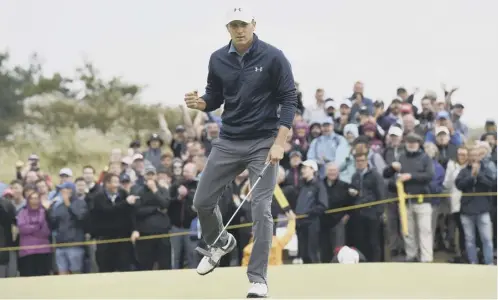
x,y
474,210
255,83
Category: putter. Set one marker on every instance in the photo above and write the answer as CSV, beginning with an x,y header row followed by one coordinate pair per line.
x,y
207,252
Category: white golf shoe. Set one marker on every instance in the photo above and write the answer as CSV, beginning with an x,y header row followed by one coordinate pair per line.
x,y
208,264
258,290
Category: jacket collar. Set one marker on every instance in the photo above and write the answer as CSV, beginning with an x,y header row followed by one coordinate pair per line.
x,y
252,49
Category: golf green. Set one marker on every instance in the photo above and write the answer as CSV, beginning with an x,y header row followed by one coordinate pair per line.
x,y
368,280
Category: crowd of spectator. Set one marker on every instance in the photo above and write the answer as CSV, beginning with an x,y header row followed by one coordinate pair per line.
x,y
340,153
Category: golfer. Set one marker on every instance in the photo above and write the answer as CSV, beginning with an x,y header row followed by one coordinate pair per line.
x,y
254,80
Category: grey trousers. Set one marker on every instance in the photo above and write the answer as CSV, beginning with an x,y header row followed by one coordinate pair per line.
x,y
183,247
226,160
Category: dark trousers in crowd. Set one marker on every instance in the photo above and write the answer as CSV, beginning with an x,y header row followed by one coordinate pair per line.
x,y
35,265
330,239
151,251
367,237
454,227
395,243
114,257
183,247
308,234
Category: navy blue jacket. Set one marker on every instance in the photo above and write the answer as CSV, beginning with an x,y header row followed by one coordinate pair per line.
x,y
371,188
312,199
253,92
482,183
68,221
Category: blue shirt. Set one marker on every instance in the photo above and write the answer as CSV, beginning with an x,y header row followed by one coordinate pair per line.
x,y
252,87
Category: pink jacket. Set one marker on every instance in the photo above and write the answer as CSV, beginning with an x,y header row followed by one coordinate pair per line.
x,y
33,230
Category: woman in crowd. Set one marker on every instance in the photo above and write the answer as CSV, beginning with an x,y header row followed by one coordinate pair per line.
x,y
34,232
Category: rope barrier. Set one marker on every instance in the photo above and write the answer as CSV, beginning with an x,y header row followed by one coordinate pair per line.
x,y
237,226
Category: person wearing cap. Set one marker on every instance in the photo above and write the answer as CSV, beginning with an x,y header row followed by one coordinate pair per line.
x,y
443,119
367,185
343,118
330,107
112,217
323,149
476,178
317,111
447,150
312,201
138,166
251,129
344,156
394,148
7,221
65,175
150,215
456,119
153,153
67,221
415,171
348,255
135,147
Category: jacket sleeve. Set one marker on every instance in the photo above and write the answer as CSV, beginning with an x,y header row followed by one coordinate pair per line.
x,y
7,213
214,89
322,203
78,210
312,150
436,185
456,139
464,180
380,188
285,89
485,177
162,197
388,172
424,177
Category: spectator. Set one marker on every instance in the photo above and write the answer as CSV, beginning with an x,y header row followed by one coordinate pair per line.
x,y
411,125
426,117
344,156
65,175
447,150
212,133
490,138
177,170
315,131
135,147
443,119
312,201
43,190
153,153
30,178
324,148
343,119
316,113
369,129
277,246
292,179
455,224
138,166
167,160
67,218
34,230
440,206
17,195
80,188
347,255
112,218
415,170
456,119
358,100
375,160
476,178
151,218
367,186
392,153
299,138
182,213
330,107
178,143
7,221
333,226
485,156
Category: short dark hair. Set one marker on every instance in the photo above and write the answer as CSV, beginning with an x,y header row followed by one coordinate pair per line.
x,y
79,179
400,90
89,167
108,177
16,181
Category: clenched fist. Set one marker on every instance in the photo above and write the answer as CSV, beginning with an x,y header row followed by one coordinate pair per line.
x,y
193,101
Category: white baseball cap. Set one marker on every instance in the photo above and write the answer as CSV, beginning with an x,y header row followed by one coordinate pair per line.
x,y
395,130
239,14
441,129
310,163
66,171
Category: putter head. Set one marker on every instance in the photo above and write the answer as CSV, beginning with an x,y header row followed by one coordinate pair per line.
x,y
203,251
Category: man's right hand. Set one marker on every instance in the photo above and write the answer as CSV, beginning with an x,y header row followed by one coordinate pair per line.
x,y
396,166
182,191
131,199
193,101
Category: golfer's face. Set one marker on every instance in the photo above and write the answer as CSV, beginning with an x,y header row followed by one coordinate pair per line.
x,y
240,32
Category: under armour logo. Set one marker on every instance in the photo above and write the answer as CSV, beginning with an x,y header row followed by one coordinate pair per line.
x,y
260,69
237,9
